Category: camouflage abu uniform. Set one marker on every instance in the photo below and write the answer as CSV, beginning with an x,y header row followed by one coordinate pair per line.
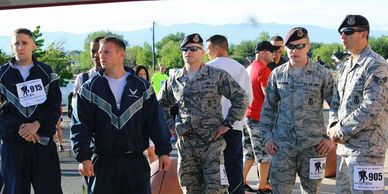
x,y
292,116
359,112
198,118
360,105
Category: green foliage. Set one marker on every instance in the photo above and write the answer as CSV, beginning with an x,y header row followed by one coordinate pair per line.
x,y
245,51
325,51
177,38
315,45
380,45
4,58
146,58
85,61
58,60
264,36
138,55
168,51
74,60
170,55
132,54
39,42
54,56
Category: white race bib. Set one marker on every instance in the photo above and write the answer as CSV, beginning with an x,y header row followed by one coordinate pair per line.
x,y
223,176
317,168
369,178
31,92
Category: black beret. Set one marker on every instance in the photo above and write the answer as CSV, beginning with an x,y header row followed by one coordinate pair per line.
x,y
265,45
192,38
296,33
354,21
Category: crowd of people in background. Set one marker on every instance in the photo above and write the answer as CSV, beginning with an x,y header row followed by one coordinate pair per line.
x,y
223,116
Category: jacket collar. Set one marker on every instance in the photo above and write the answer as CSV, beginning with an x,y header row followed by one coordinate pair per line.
x,y
13,61
130,71
363,55
202,72
307,68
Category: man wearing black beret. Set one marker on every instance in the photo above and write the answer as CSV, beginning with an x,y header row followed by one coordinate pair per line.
x,y
359,112
199,124
291,119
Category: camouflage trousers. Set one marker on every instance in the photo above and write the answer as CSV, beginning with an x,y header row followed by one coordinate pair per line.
x,y
199,165
257,140
287,163
248,148
345,173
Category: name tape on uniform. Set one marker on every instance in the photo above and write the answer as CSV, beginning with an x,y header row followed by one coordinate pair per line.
x,y
31,92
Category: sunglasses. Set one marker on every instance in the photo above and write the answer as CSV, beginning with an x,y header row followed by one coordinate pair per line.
x,y
296,46
350,31
191,48
277,51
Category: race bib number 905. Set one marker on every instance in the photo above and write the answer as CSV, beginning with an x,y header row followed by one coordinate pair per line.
x,y
369,178
31,92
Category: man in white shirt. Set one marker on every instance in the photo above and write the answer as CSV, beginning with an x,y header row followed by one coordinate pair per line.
x,y
217,50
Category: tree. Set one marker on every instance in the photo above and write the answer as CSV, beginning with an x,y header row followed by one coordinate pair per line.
x,y
177,38
54,56
315,45
264,36
58,60
74,60
325,51
132,54
145,57
4,57
245,51
170,55
138,55
380,45
168,51
39,42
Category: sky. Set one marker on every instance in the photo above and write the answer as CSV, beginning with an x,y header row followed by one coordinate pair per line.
x,y
130,16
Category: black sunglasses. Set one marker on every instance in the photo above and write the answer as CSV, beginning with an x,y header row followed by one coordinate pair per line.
x,y
296,46
349,31
191,48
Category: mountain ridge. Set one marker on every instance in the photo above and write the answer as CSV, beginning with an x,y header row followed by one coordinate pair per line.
x,y
234,32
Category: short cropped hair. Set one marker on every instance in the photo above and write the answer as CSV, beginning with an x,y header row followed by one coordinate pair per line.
x,y
97,39
120,44
23,31
219,40
277,38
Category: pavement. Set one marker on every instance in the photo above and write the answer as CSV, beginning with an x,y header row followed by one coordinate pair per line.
x,y
71,180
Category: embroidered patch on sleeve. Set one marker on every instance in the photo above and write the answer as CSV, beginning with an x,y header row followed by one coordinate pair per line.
x,y
380,81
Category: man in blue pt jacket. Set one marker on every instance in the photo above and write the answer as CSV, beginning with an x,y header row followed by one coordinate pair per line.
x,y
31,101
120,111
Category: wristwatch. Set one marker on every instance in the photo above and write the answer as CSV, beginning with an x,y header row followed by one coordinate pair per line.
x,y
226,123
